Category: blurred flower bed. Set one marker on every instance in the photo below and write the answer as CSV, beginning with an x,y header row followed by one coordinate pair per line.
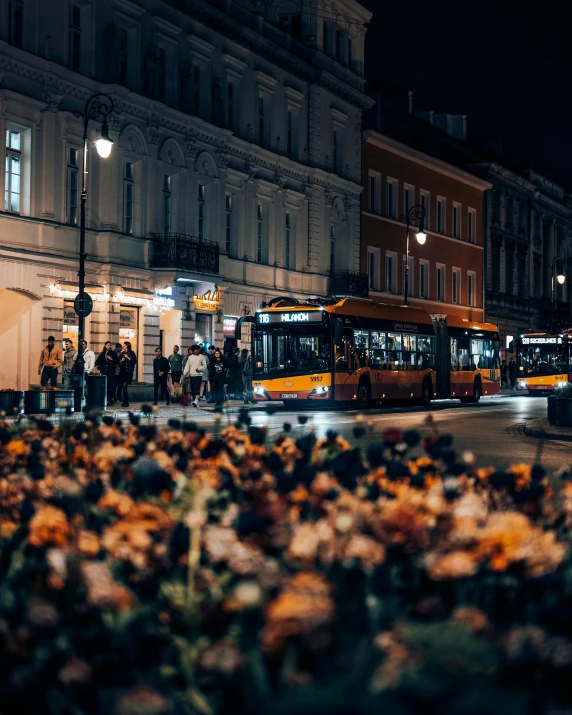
x,y
149,571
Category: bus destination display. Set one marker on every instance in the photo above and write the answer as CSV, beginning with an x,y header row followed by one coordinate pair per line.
x,y
542,341
301,317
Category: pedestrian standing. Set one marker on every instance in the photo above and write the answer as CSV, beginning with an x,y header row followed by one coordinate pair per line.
x,y
194,369
161,369
127,363
210,357
503,374
51,358
176,364
88,359
118,387
205,380
218,372
512,373
68,366
106,364
246,372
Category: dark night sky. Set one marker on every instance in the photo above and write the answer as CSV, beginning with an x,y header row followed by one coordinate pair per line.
x,y
507,68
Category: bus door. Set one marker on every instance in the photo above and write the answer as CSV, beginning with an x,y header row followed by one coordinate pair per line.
x,y
345,365
442,359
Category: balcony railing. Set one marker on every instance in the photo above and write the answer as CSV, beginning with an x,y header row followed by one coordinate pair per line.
x,y
349,283
186,253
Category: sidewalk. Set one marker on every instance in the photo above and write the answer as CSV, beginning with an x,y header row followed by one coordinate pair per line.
x,y
542,429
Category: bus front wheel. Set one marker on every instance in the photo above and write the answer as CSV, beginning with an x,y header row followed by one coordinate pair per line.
x,y
477,393
364,395
426,393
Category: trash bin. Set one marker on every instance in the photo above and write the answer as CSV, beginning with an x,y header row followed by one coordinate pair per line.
x,y
96,386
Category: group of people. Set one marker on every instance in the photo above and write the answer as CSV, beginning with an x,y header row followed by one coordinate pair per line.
x,y
116,363
508,374
202,375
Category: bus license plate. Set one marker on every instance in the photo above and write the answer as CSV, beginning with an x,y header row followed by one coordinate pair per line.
x,y
289,396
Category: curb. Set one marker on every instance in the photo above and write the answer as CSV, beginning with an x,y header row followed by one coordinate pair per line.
x,y
541,434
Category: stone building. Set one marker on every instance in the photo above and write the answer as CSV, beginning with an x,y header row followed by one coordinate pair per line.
x,y
235,174
529,225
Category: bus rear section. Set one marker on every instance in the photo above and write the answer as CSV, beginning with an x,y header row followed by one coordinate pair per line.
x,y
542,362
469,359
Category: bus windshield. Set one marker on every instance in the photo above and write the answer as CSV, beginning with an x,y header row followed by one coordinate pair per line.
x,y
292,349
540,360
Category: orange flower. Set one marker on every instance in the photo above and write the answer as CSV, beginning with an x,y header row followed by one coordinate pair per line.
x,y
121,504
16,448
522,475
87,542
49,527
457,564
7,528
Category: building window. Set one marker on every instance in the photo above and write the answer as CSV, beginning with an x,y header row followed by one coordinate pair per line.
x,y
390,274
440,283
425,200
456,220
70,327
228,225
122,56
16,22
391,197
496,206
326,37
508,212
202,211
522,275
197,90
230,105
441,209
339,45
161,74
374,188
456,286
408,198
74,59
289,123
261,121
332,249
129,328
291,24
335,151
166,204
509,269
373,268
128,198
287,240
423,279
471,284
72,187
495,260
13,177
537,276
472,226
350,51
259,232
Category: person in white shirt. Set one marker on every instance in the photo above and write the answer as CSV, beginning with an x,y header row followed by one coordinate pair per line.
x,y
88,359
194,368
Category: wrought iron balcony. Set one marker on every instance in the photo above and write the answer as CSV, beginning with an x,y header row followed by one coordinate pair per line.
x,y
186,253
349,283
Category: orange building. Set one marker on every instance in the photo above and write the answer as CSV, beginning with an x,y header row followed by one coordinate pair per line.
x,y
446,272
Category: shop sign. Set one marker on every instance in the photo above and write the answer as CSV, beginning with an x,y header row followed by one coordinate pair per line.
x,y
208,302
229,325
163,298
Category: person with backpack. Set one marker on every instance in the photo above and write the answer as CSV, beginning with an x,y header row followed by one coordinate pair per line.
x,y
245,366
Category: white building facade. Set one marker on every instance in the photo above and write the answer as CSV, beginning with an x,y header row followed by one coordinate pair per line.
x,y
234,176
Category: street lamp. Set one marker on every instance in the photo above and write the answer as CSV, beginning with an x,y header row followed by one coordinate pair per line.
x,y
560,277
415,215
98,107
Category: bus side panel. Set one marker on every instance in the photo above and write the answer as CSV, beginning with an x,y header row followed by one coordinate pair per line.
x,y
491,381
462,382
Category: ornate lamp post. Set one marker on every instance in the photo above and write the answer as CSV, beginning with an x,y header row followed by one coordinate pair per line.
x,y
560,277
415,216
98,107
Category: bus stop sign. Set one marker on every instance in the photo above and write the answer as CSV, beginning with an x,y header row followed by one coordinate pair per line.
x,y
83,305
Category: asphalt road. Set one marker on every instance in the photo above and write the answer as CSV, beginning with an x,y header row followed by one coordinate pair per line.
x,y
491,429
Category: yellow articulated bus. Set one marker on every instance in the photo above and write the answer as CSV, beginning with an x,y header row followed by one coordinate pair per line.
x,y
362,352
542,361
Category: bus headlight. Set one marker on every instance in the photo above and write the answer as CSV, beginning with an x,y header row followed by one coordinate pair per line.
x,y
258,390
523,384
562,384
320,392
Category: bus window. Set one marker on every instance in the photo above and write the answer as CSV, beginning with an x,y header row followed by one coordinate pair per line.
x,y
378,341
410,342
361,339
